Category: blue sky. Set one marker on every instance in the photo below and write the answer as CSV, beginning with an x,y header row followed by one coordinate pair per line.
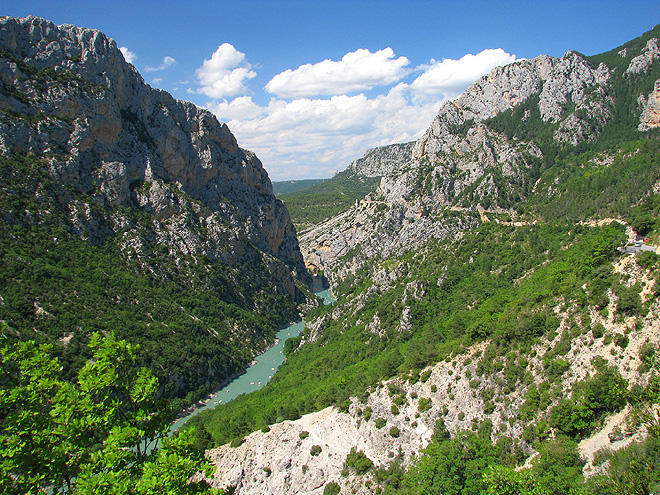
x,y
310,85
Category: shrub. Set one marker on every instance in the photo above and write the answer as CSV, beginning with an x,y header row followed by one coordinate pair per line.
x,y
598,330
380,422
395,432
358,461
331,488
424,404
237,442
303,435
315,450
621,341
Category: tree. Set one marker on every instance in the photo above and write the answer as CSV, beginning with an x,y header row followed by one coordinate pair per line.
x,y
106,433
502,480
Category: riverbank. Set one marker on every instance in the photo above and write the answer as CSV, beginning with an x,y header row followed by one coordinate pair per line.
x,y
255,376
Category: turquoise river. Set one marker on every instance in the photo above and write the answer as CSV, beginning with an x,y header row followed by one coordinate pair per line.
x,y
259,373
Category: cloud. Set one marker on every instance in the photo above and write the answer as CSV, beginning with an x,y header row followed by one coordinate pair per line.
x,y
128,55
451,77
225,73
360,70
157,80
166,64
316,137
241,108
307,137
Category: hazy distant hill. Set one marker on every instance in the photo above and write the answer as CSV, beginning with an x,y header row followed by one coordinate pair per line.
x,y
291,186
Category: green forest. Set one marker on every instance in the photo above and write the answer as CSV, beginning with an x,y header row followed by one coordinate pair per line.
x,y
61,288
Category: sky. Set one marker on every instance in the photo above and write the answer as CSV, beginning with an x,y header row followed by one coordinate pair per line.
x,y
311,85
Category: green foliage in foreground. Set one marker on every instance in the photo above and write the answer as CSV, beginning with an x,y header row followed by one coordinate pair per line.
x,y
104,434
320,202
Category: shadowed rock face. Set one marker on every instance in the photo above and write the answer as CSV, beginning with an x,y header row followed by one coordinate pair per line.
x,y
68,94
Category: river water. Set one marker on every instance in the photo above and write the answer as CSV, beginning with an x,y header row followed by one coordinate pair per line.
x,y
259,373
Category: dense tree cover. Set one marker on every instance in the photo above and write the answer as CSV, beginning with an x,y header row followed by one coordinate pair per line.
x,y
103,433
59,285
322,201
584,186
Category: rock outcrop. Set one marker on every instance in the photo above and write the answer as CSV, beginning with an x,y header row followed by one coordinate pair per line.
x,y
386,160
651,114
69,95
478,154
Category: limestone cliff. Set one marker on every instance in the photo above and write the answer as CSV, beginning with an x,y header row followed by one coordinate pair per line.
x,y
69,95
484,151
158,182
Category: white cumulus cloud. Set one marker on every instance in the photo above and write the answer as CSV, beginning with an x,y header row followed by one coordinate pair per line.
x,y
453,76
297,136
317,137
360,70
225,73
165,64
128,55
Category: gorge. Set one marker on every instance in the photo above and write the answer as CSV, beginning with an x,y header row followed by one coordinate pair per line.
x,y
490,334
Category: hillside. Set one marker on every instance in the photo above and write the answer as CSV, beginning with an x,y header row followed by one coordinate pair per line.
x,y
291,186
127,211
485,313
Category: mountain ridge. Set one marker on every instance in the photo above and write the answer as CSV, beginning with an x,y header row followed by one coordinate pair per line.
x,y
159,183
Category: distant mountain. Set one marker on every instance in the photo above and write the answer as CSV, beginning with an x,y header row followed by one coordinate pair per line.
x,y
291,186
126,210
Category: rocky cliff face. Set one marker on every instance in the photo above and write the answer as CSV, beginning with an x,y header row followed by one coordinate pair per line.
x,y
386,160
158,182
69,95
481,152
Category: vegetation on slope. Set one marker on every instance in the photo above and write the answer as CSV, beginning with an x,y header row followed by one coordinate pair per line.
x,y
58,287
320,202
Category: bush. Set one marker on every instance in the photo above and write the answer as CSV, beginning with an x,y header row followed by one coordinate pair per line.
x,y
237,442
424,404
394,432
598,330
315,450
380,422
331,488
621,341
303,435
358,461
